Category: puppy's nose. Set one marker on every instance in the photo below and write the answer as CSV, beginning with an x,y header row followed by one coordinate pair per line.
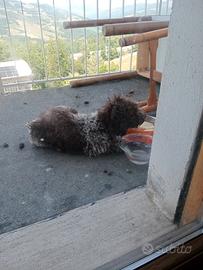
x,y
142,116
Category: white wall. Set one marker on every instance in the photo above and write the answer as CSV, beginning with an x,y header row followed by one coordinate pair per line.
x,y
180,105
161,54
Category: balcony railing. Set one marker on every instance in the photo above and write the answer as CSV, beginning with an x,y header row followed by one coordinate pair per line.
x,y
32,30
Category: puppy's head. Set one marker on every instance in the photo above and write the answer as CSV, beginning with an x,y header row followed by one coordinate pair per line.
x,y
49,129
38,133
119,114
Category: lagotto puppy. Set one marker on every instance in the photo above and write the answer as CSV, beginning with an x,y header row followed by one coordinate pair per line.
x,y
64,129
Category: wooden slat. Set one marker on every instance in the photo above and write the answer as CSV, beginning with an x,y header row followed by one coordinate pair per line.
x,y
133,27
194,199
152,98
101,78
156,75
138,38
143,57
100,22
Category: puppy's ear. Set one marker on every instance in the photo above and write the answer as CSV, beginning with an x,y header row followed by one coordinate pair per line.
x,y
33,123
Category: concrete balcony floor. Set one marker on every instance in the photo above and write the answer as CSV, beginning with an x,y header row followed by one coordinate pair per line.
x,y
38,183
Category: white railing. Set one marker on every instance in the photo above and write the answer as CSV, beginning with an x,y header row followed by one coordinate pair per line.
x,y
33,30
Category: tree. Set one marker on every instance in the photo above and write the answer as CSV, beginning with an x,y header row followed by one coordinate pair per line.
x,y
58,61
4,51
34,57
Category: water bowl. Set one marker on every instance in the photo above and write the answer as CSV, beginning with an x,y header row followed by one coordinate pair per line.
x,y
137,147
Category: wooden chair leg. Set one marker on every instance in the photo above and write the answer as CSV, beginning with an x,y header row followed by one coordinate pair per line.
x,y
151,103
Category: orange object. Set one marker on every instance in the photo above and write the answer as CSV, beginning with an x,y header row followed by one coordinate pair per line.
x,y
140,131
144,138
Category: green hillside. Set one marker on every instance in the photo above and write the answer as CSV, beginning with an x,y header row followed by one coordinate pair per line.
x,y
32,21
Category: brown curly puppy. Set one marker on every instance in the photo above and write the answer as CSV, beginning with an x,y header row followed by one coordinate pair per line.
x,y
64,129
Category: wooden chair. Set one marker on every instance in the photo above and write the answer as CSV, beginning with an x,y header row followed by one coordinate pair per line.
x,y
148,33
147,53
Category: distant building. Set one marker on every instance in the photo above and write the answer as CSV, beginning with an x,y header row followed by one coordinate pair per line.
x,y
77,56
15,72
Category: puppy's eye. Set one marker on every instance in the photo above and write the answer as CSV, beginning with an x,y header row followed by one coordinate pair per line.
x,y
41,139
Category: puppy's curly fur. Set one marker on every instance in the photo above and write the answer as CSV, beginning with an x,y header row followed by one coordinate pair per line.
x,y
64,129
